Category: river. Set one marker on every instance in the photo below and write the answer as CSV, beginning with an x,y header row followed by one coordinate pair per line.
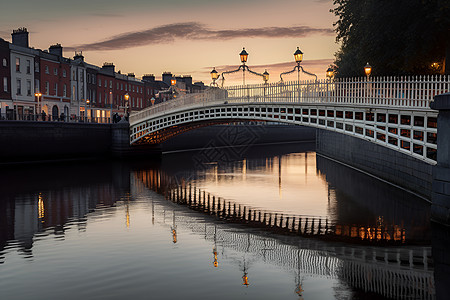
x,y
261,222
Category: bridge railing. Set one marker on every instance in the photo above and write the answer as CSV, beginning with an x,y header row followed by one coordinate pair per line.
x,y
403,92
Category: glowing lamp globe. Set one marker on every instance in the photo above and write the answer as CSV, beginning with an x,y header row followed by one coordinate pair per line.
x,y
330,72
298,55
214,74
265,76
243,55
367,69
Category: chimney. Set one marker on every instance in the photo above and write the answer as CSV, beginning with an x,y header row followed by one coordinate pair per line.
x,y
109,68
131,75
167,77
78,55
56,49
20,37
148,77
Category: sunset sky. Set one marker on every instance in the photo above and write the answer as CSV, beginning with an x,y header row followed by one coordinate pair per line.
x,y
180,36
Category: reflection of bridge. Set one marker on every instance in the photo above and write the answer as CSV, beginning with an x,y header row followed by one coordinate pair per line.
x,y
398,272
390,112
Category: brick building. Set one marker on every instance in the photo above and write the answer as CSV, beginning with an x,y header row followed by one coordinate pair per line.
x,y
5,79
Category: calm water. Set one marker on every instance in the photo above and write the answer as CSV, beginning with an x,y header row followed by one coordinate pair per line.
x,y
112,230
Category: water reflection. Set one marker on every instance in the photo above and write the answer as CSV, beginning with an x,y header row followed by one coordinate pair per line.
x,y
184,203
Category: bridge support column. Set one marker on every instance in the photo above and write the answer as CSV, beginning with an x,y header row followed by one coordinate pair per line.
x,y
120,144
440,209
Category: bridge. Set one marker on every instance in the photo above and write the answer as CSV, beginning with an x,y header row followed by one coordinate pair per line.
x,y
385,126
391,112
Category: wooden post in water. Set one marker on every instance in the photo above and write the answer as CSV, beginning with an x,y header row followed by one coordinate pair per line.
x,y
287,223
213,204
320,225
306,226
275,221
293,224
299,225
190,193
312,227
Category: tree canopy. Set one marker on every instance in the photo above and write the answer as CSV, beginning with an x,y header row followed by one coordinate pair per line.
x,y
396,37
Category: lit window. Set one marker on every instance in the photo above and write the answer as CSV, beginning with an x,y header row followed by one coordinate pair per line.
x,y
5,84
17,65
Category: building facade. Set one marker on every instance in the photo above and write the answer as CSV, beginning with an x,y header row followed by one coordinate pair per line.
x,y
6,106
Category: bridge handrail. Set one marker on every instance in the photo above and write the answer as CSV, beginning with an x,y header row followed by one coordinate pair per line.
x,y
403,92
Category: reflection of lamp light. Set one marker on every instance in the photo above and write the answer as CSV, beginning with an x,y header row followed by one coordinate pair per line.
x,y
367,70
152,100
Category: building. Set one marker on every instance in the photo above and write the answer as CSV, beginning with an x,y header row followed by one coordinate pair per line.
x,y
53,82
78,86
22,74
6,105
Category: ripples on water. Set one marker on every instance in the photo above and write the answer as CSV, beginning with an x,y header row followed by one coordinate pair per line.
x,y
113,230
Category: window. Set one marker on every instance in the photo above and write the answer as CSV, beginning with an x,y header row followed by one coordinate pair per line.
x,y
28,87
19,87
110,84
47,87
74,75
74,93
125,88
47,70
89,78
56,89
100,96
100,83
5,62
36,66
93,79
117,85
5,84
133,88
17,65
106,83
121,86
28,66
64,73
36,85
55,71
81,76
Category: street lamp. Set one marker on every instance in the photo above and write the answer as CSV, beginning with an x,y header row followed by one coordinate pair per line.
x,y
214,76
265,76
330,73
367,70
244,56
298,56
39,96
127,97
153,100
173,82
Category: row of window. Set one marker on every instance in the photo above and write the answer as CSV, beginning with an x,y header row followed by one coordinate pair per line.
x,y
18,66
55,71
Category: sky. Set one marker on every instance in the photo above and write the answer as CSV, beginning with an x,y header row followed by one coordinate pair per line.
x,y
185,37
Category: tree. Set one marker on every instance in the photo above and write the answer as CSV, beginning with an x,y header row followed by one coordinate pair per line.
x,y
400,37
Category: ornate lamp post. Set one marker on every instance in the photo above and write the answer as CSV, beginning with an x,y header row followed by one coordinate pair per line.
x,y
153,100
367,70
244,56
214,76
265,76
298,56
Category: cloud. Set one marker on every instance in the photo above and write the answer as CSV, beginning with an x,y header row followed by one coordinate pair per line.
x,y
196,31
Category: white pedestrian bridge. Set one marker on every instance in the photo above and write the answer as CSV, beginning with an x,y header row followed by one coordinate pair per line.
x,y
391,112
